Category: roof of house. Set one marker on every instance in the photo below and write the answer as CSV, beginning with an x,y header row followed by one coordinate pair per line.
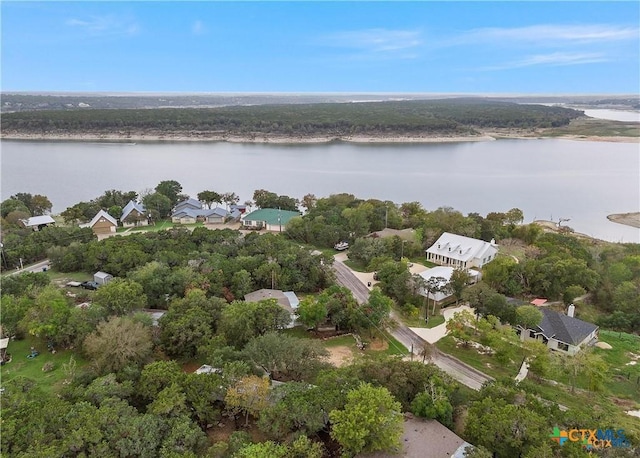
x,y
461,248
101,214
287,300
439,271
38,220
564,328
404,234
4,343
538,302
425,439
271,216
193,203
200,212
132,205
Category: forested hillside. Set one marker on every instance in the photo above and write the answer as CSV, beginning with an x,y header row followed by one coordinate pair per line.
x,y
436,117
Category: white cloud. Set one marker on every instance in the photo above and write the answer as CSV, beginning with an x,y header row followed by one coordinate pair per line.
x,y
198,28
553,59
551,34
109,25
376,41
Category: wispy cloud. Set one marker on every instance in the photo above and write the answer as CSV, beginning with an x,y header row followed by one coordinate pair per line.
x,y
553,59
551,34
109,25
377,42
198,28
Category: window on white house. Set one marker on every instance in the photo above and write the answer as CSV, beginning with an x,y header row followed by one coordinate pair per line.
x,y
563,346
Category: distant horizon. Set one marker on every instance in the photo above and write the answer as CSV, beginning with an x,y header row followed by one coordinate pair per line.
x,y
386,93
490,48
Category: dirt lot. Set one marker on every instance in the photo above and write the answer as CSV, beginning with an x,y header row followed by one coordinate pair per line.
x,y
340,356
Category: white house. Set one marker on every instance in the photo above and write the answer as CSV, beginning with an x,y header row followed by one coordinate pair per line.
x,y
38,222
286,299
561,332
444,273
461,252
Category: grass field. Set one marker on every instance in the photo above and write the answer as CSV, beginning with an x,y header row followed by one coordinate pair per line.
x,y
20,365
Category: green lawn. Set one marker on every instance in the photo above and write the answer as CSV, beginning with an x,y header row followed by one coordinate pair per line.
x,y
435,321
484,363
624,380
20,365
353,265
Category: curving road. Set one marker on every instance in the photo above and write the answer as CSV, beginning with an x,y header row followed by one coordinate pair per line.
x,y
460,371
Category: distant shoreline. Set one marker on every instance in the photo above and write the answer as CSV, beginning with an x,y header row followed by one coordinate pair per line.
x,y
266,139
628,219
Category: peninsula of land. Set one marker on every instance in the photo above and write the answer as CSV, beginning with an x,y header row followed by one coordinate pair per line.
x,y
628,219
407,121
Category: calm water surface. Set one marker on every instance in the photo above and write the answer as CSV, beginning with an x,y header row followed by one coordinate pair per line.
x,y
547,179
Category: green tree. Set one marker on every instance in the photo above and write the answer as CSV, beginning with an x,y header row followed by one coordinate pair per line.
x,y
376,310
117,343
528,316
249,395
459,326
311,312
506,428
572,292
49,316
170,189
370,421
189,323
12,205
120,297
458,282
241,321
158,205
209,198
434,403
284,357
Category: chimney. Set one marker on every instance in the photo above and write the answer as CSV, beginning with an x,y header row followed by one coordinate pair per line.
x,y
571,311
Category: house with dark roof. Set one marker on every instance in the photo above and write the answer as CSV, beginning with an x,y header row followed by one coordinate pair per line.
x,y
271,219
461,252
134,214
560,332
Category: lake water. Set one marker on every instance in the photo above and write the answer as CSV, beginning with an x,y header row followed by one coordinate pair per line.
x,y
546,178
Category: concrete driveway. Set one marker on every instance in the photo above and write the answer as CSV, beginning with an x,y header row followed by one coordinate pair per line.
x,y
434,334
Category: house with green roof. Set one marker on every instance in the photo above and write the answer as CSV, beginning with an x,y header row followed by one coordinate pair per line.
x,y
271,219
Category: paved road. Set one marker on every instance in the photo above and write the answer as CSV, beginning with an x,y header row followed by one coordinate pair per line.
x,y
460,371
39,267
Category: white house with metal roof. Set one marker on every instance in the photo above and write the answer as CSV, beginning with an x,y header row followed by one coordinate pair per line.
x,y
461,252
38,222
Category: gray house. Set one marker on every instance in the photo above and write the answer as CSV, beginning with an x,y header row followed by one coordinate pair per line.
x,y
561,332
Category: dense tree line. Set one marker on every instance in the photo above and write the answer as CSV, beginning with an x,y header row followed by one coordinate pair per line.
x,y
441,117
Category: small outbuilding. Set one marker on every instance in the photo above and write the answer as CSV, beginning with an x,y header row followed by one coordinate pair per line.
x,y
38,222
102,278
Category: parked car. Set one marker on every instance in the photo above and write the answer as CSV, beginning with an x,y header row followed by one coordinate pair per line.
x,y
341,246
89,285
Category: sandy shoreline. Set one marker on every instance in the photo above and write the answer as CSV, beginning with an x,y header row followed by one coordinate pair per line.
x,y
242,139
628,219
258,138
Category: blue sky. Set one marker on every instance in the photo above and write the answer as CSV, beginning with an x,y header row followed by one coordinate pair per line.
x,y
443,47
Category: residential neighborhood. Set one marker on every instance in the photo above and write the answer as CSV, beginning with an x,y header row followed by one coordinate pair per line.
x,y
436,325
